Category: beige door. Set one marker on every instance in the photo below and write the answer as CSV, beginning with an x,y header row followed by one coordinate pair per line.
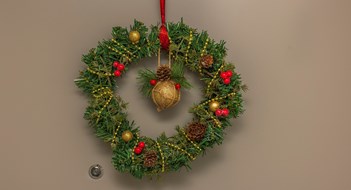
x,y
295,56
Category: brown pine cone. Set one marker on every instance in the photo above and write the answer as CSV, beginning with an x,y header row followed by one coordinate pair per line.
x,y
206,61
163,73
196,131
150,158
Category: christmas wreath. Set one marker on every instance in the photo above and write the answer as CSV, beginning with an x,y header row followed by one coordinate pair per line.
x,y
187,48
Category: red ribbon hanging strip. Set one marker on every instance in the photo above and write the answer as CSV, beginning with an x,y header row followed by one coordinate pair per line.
x,y
163,35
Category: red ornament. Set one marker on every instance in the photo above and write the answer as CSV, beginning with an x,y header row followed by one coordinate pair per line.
x,y
153,82
224,75
120,67
226,81
138,150
141,144
177,86
225,112
115,64
117,73
219,112
229,73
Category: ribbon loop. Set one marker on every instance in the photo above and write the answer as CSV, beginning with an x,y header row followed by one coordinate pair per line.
x,y
163,35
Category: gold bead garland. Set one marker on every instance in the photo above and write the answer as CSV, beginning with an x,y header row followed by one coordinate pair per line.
x,y
204,48
192,142
202,54
188,47
211,131
213,118
124,48
181,150
102,109
214,99
170,42
106,91
99,73
214,77
136,144
99,89
138,47
119,52
113,143
162,157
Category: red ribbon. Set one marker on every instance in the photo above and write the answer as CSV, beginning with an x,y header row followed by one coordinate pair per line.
x,y
163,35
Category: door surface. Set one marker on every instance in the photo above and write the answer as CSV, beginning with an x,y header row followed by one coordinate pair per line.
x,y
293,54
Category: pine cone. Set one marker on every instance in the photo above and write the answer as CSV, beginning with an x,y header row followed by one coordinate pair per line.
x,y
196,131
150,158
163,73
206,61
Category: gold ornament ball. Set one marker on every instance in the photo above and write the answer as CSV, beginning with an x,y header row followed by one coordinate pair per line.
x,y
214,105
127,136
165,95
134,36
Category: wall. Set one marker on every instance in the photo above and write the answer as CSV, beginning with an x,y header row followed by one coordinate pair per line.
x,y
293,54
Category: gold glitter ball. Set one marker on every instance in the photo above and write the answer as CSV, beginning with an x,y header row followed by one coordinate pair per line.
x,y
134,36
214,105
127,136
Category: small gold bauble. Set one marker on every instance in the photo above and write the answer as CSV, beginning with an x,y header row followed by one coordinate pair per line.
x,y
165,95
214,105
127,136
134,36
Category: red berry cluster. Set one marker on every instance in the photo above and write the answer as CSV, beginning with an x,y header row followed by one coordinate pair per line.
x,y
222,112
139,149
119,68
226,76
